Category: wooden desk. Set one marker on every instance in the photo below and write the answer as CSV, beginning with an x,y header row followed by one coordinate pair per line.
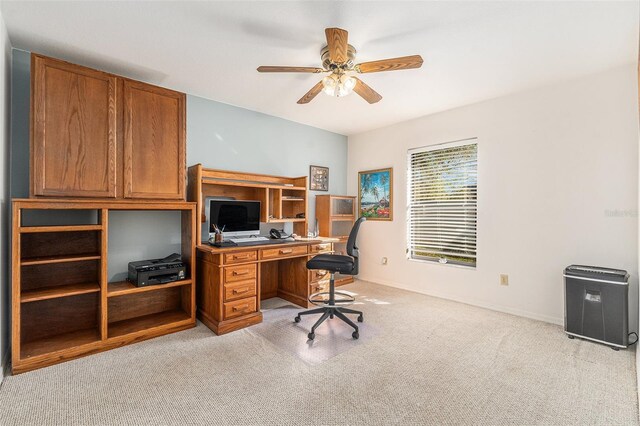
x,y
232,281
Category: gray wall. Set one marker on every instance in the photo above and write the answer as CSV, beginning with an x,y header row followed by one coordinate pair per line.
x,y
219,136
5,109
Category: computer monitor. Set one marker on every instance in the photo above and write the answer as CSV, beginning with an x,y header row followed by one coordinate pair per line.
x,y
235,218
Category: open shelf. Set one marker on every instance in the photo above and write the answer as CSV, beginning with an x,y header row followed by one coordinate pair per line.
x,y
50,325
58,259
215,181
38,248
145,322
274,220
47,345
58,291
59,228
122,288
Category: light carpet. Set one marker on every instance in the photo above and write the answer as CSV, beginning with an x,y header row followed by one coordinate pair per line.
x,y
429,361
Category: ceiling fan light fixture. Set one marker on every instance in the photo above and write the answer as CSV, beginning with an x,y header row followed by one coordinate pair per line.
x,y
338,85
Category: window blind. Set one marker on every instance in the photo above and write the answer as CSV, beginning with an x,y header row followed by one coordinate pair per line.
x,y
443,203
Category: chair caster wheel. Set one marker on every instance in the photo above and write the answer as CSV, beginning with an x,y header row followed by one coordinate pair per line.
x,y
360,318
571,337
615,349
297,319
311,336
355,335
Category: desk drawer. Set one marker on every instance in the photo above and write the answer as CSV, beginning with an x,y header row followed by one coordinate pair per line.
x,y
239,257
239,290
318,287
238,308
319,248
240,273
282,252
317,275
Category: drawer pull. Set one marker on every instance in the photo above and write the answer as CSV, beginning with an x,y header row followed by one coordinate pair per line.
x,y
237,257
240,308
241,290
240,273
286,251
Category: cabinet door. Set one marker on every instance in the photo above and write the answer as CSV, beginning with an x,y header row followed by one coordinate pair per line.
x,y
342,206
154,142
73,130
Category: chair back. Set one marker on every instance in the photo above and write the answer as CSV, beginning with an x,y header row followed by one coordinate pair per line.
x,y
352,249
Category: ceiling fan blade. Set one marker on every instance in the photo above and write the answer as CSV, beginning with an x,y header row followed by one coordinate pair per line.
x,y
289,69
366,92
337,42
308,97
393,64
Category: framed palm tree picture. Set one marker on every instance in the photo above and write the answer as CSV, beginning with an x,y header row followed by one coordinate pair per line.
x,y
375,194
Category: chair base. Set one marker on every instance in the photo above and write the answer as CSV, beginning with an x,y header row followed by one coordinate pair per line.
x,y
329,312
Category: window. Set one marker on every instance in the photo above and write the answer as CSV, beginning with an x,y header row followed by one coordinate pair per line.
x,y
443,203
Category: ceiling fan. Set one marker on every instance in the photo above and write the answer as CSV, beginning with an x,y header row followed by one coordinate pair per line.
x,y
338,59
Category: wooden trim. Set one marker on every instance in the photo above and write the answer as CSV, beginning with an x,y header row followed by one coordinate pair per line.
x,y
71,228
15,285
104,273
87,204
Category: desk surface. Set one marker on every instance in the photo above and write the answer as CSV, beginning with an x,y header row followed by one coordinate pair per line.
x,y
216,250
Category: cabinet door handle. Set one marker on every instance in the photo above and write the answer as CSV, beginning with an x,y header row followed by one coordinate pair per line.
x,y
240,308
241,290
240,273
286,251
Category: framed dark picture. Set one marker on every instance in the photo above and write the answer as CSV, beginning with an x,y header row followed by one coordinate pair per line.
x,y
375,194
318,178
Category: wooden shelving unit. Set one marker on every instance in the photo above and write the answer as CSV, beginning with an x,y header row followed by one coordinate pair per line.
x,y
336,215
58,291
282,198
62,305
122,288
140,324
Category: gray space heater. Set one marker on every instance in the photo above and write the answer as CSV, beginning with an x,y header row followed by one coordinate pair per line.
x,y
596,304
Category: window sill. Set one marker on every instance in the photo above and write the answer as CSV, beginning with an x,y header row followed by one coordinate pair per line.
x,y
452,265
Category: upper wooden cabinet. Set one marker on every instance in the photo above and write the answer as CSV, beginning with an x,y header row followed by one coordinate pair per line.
x,y
154,164
95,134
73,134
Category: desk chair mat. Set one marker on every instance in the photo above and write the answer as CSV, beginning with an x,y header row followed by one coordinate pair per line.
x,y
333,337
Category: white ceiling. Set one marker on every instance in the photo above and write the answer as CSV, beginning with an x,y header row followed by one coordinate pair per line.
x,y
472,50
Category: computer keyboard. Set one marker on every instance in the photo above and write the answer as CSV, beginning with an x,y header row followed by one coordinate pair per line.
x,y
249,239
256,242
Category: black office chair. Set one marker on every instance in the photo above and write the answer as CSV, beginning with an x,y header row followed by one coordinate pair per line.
x,y
347,265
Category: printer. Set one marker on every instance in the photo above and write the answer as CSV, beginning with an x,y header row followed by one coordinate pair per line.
x,y
157,271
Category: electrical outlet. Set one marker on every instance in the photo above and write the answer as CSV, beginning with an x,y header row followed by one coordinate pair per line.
x,y
384,260
504,279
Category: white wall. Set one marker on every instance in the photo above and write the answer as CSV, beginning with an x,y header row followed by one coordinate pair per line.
x,y
558,184
5,204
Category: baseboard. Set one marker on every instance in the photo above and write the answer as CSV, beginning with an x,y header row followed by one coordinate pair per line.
x,y
480,304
